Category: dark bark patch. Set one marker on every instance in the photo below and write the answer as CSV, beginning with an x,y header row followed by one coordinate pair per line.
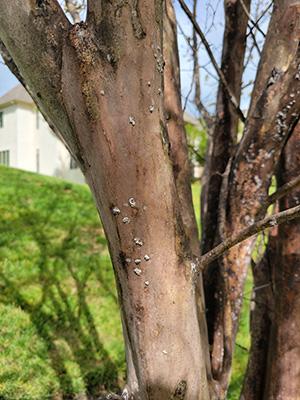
x,y
122,259
180,390
137,27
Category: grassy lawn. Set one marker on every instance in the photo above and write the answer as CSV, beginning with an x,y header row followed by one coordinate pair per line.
x,y
60,331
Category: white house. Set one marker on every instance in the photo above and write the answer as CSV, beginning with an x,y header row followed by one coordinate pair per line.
x,y
27,142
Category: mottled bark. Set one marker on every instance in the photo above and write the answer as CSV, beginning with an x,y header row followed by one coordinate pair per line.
x,y
175,125
272,371
273,114
92,80
283,377
226,123
222,144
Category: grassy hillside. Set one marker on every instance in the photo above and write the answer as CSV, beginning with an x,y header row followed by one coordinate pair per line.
x,y
60,331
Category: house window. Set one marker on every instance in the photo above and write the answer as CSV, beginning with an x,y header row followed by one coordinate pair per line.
x,y
37,160
4,157
37,120
1,119
73,163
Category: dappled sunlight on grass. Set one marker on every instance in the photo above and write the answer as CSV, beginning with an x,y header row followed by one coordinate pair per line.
x,y
60,331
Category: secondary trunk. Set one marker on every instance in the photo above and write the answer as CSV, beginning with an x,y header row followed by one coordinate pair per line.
x,y
107,90
220,150
273,371
260,322
273,113
284,352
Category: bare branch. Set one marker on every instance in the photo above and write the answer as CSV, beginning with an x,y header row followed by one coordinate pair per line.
x,y
213,60
283,190
255,42
254,23
268,222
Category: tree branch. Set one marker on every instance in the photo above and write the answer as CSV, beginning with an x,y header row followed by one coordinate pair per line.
x,y
254,23
197,28
268,222
283,190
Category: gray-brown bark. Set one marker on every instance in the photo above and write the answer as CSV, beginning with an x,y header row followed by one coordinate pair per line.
x,y
284,352
92,81
260,322
272,368
273,114
221,147
224,135
175,125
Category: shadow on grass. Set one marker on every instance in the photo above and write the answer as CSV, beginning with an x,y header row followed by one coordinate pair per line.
x,y
61,312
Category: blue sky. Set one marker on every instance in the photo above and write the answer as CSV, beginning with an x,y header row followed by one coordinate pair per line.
x,y
210,18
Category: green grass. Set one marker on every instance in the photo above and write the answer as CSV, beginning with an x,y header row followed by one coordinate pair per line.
x,y
60,330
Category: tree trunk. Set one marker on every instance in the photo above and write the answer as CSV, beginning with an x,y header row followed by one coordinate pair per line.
x,y
260,322
273,113
284,352
100,83
272,371
220,150
180,160
224,134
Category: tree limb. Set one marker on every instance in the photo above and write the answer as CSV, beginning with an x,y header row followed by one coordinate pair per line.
x,y
268,222
283,190
254,23
197,28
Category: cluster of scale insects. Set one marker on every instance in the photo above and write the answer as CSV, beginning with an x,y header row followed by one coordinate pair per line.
x,y
137,241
